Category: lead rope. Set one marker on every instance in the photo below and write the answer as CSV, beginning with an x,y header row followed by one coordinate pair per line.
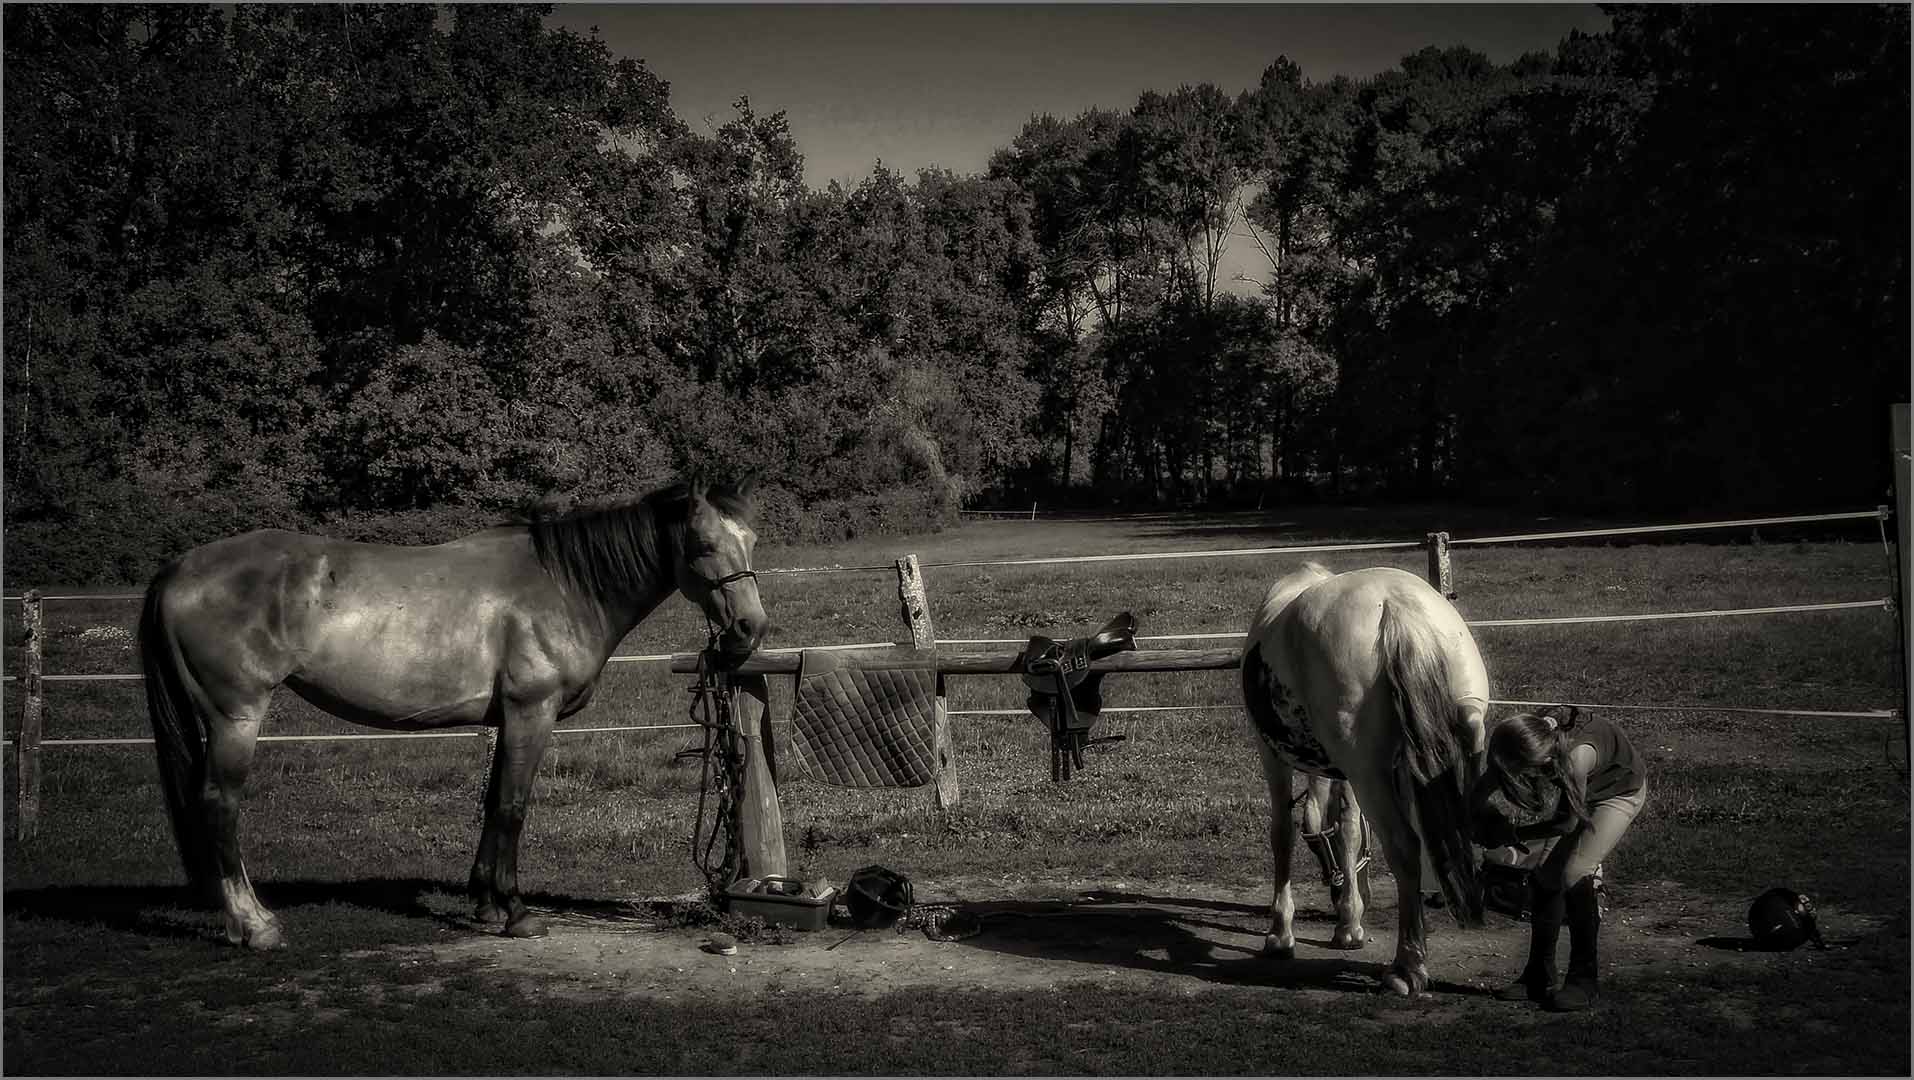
x,y
711,709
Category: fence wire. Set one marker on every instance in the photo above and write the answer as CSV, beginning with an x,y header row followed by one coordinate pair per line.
x,y
1880,514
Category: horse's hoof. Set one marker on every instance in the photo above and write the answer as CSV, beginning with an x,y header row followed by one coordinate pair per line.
x,y
1275,949
1348,942
488,912
1405,983
266,937
526,926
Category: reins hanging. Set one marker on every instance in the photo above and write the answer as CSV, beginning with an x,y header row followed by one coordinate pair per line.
x,y
712,708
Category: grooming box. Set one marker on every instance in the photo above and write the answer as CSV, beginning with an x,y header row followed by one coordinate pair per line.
x,y
782,901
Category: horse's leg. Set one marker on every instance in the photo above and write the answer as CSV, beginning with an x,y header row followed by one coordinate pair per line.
x,y
230,741
485,902
524,730
1280,942
1408,973
1328,838
1349,901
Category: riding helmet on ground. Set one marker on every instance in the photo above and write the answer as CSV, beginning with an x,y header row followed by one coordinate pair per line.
x,y
1781,919
878,896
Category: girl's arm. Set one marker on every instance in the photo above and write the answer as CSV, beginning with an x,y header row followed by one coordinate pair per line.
x,y
1485,786
1581,761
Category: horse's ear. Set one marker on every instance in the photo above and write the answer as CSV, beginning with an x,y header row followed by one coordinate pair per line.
x,y
749,483
697,485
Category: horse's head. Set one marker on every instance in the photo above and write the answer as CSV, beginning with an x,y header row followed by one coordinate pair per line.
x,y
716,574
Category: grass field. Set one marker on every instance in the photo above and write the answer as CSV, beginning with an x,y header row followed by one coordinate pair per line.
x,y
364,848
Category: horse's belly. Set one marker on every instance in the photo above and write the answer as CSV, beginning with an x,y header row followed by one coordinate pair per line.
x,y
396,704
1282,721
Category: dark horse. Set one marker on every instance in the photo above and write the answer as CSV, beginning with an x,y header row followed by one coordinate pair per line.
x,y
508,628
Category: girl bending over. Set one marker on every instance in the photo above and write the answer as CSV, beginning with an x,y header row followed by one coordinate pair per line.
x,y
1597,785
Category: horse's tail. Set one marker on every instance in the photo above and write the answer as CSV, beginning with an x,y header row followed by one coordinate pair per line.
x,y
179,733
1436,764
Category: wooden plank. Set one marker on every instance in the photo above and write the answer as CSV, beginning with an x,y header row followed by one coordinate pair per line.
x,y
32,716
760,818
915,602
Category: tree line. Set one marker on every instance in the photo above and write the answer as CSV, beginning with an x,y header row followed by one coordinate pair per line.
x,y
391,271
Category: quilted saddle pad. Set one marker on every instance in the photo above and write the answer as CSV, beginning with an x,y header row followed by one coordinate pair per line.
x,y
859,728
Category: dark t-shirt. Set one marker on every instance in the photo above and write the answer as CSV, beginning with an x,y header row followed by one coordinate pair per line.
x,y
1617,770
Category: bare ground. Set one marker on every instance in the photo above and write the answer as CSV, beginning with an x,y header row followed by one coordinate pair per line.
x,y
1188,935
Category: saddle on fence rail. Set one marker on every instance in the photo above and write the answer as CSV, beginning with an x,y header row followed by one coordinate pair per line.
x,y
1065,694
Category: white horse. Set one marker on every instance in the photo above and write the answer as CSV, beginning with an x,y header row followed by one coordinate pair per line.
x,y
1372,676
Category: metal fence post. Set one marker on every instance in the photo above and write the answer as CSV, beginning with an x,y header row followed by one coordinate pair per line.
x,y
916,607
32,715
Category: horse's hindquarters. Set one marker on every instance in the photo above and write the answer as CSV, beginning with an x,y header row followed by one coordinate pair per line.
x,y
1280,718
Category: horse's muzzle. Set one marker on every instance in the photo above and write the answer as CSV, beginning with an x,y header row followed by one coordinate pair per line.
x,y
736,644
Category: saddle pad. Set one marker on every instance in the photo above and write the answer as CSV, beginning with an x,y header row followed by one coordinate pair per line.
x,y
859,728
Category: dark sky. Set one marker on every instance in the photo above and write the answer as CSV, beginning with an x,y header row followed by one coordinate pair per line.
x,y
924,84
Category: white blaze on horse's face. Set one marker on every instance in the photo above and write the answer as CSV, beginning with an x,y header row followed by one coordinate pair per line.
x,y
716,576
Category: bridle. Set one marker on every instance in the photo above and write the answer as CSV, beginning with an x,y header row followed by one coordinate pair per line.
x,y
722,758
711,629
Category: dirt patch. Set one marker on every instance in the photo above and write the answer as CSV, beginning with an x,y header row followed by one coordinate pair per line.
x,y
1187,935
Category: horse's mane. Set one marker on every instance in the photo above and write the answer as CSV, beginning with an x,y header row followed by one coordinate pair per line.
x,y
607,549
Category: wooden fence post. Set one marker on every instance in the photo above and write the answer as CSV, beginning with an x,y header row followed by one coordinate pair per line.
x,y
916,606
760,818
32,715
1440,574
1903,489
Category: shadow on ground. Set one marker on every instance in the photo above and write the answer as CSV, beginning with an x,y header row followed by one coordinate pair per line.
x,y
173,911
1211,940
1748,944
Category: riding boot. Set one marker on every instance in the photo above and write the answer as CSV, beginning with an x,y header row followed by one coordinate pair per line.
x,y
1537,981
1584,924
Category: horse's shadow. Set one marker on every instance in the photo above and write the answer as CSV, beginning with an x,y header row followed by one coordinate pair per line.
x,y
1177,936
175,911
1748,944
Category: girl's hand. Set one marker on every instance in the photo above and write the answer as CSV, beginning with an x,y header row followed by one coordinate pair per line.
x,y
1493,829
